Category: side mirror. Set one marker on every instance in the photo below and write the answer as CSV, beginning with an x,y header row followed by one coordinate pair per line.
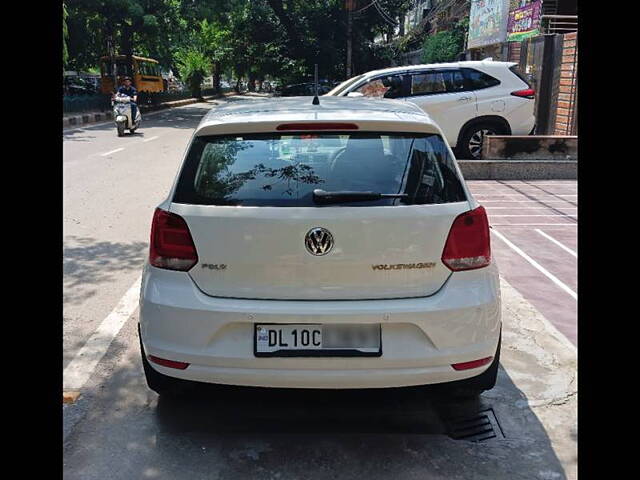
x,y
355,94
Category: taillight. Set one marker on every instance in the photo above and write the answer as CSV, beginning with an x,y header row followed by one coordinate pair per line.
x,y
171,245
468,244
526,93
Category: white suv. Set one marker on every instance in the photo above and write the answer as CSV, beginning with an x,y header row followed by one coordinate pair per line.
x,y
328,246
468,100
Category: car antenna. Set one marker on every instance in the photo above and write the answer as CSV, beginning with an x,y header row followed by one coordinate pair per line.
x,y
316,100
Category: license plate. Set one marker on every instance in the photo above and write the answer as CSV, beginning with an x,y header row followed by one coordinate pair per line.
x,y
317,340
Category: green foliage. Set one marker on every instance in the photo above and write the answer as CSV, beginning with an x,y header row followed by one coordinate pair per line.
x,y
445,46
193,66
250,39
65,36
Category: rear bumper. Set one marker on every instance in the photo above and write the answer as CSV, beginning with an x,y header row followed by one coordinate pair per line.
x,y
524,126
421,337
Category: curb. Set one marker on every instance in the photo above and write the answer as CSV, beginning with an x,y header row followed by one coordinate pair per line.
x,y
87,118
77,120
519,169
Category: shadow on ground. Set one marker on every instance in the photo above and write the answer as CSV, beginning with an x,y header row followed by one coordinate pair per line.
x,y
241,433
89,263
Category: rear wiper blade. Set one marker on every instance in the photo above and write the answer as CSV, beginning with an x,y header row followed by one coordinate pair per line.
x,y
321,196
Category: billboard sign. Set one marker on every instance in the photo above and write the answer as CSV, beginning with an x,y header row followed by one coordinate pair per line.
x,y
524,21
487,22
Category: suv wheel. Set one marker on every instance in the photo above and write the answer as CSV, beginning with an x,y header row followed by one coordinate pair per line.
x,y
473,138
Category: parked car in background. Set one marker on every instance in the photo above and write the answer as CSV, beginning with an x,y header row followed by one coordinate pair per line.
x,y
335,246
468,100
73,85
302,89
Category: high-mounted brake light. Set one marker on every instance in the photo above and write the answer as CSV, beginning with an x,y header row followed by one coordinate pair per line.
x,y
468,245
472,364
168,363
317,126
171,246
526,93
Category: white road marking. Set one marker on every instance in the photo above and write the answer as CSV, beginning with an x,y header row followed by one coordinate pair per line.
x,y
112,151
475,182
554,215
564,202
565,248
511,295
520,195
530,208
149,139
536,265
84,363
534,224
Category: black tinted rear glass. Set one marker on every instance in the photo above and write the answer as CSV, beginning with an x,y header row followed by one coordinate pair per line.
x,y
283,170
478,80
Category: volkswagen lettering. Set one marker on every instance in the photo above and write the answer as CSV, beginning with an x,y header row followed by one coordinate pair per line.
x,y
320,246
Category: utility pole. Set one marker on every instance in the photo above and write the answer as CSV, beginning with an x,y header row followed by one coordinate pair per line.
x,y
349,5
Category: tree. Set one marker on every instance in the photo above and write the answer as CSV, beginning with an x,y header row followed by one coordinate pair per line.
x,y
214,40
65,36
447,45
193,66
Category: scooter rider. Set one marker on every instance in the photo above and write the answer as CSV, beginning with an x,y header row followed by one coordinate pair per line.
x,y
130,91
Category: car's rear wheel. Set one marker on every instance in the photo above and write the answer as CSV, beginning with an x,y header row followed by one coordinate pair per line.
x,y
471,143
163,385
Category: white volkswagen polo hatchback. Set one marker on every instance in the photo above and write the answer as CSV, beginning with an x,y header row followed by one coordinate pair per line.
x,y
320,246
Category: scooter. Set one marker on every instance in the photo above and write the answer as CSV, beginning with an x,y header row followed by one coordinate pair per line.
x,y
122,114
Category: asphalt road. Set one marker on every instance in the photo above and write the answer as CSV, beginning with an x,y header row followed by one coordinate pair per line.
x,y
118,429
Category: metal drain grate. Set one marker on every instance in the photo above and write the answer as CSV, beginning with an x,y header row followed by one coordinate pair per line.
x,y
480,427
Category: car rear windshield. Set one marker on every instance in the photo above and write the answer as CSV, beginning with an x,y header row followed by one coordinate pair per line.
x,y
282,170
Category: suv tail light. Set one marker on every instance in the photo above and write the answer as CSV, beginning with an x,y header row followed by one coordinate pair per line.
x,y
468,245
171,245
526,93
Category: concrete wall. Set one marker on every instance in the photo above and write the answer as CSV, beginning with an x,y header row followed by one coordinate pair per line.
x,y
519,169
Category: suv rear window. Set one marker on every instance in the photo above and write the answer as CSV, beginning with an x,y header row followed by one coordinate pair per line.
x,y
478,80
282,170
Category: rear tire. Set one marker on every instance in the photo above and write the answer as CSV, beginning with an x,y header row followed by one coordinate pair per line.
x,y
163,385
470,146
120,127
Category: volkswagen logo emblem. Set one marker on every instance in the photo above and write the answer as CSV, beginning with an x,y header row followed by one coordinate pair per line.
x,y
318,241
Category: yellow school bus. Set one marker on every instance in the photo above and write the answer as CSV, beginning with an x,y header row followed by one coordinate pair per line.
x,y
145,73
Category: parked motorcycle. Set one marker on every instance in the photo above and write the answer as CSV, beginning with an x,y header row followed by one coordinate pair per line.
x,y
122,114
